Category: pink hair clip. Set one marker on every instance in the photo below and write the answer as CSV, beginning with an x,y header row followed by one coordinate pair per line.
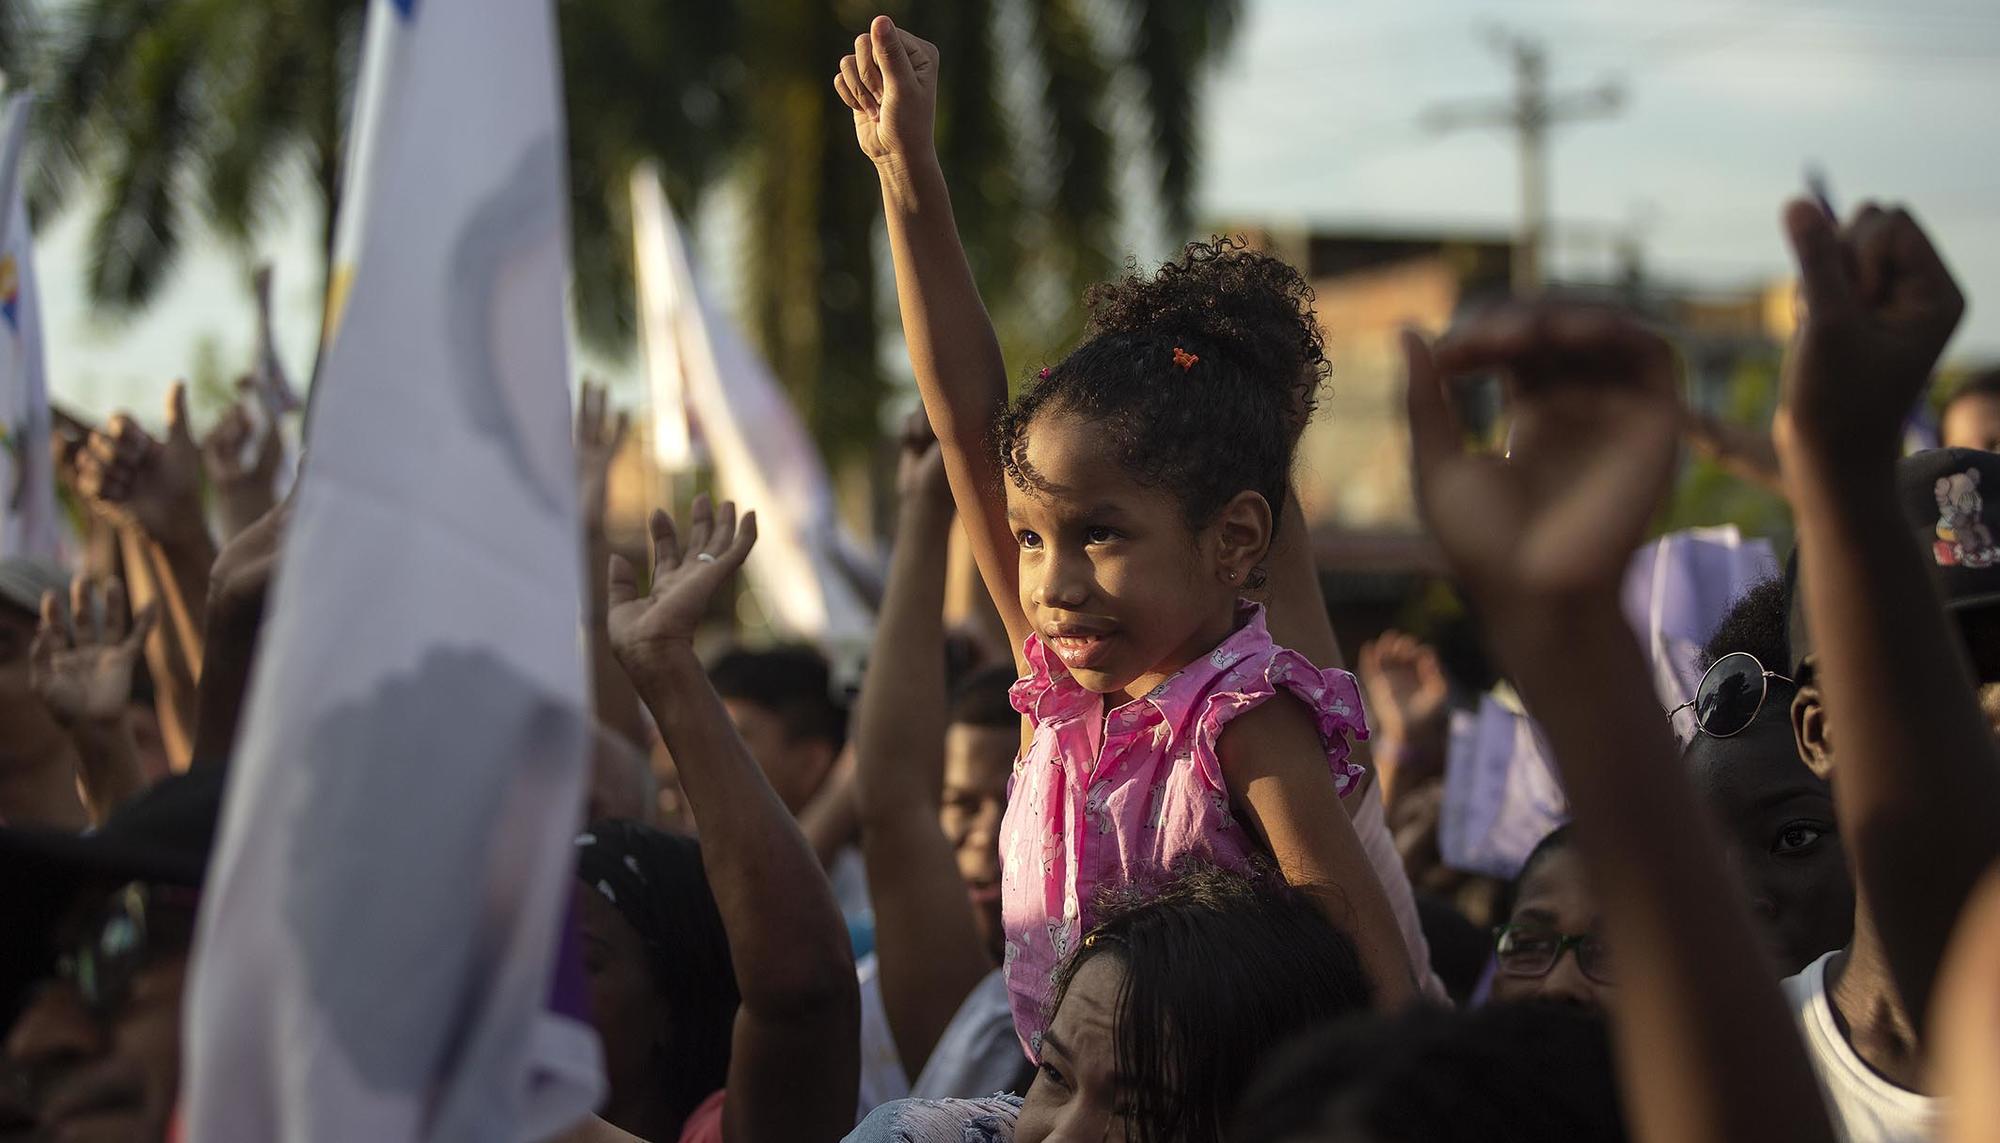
x,y
1044,374
1184,359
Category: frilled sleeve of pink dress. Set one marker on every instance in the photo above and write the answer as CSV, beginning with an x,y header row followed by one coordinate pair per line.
x,y
1332,696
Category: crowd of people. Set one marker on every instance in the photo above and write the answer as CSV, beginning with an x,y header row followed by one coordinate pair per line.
x,y
1130,854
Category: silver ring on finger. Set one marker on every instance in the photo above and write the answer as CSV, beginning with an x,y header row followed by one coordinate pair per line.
x,y
705,558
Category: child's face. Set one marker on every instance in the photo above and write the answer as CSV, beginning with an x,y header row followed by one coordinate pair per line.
x,y
1111,577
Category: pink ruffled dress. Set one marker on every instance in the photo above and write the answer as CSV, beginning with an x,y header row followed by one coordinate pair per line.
x,y
1097,802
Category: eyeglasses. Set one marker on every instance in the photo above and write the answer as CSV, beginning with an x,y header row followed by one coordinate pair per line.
x,y
1731,693
136,920
1531,952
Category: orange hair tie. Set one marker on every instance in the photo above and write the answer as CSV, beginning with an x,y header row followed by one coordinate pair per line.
x,y
1184,359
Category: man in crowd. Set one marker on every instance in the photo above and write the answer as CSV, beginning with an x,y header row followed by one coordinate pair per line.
x,y
1971,418
93,963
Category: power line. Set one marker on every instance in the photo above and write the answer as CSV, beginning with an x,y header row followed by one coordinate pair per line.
x,y
1529,113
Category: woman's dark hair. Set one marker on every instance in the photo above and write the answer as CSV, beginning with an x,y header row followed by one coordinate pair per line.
x,y
1527,1072
656,883
1217,968
1206,430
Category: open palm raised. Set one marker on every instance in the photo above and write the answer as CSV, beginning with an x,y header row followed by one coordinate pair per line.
x,y
686,577
83,656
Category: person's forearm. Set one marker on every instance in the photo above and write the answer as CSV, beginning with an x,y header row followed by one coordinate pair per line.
x,y
612,698
108,764
1706,1046
960,372
1917,797
180,564
900,718
925,938
228,656
953,348
174,694
786,936
238,507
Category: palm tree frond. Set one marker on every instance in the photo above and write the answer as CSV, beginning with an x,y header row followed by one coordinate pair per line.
x,y
1172,41
1081,145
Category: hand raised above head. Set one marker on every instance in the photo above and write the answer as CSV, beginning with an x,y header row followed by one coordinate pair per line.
x,y
223,449
599,436
1596,429
1878,307
889,81
686,577
1406,687
920,466
84,654
135,481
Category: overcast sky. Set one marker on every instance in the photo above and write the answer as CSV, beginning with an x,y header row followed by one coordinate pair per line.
x,y
1314,117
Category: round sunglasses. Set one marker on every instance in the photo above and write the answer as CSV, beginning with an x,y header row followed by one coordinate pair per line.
x,y
1731,693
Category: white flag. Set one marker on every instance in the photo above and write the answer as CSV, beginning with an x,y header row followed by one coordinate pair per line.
x,y
1502,793
803,570
29,524
1676,590
379,926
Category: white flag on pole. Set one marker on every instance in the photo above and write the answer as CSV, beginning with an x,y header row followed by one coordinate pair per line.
x,y
698,364
379,926
29,523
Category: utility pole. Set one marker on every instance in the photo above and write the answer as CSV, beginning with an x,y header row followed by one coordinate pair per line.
x,y
1529,113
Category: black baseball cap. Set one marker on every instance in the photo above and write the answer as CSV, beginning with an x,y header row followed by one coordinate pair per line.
x,y
162,836
1951,497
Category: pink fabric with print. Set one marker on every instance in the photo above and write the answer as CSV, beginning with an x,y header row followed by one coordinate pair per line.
x,y
1099,802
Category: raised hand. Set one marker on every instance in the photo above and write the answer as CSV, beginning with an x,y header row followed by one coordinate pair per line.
x,y
1408,695
1743,452
1879,306
245,485
598,439
137,482
83,656
920,465
1596,430
241,577
890,83
686,577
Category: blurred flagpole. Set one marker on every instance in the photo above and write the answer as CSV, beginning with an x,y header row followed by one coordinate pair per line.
x,y
707,383
376,954
29,522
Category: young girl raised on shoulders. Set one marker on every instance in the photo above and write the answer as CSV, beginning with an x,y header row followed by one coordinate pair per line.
x,y
1118,511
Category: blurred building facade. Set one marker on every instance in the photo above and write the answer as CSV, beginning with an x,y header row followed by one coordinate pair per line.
x,y
1354,461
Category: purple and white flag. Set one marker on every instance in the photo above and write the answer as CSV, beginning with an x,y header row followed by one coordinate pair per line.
x,y
29,522
1502,793
1676,590
380,927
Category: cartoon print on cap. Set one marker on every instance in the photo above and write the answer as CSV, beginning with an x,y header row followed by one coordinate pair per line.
x,y
1963,539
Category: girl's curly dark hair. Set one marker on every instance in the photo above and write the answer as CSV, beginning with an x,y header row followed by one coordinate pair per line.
x,y
1204,431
